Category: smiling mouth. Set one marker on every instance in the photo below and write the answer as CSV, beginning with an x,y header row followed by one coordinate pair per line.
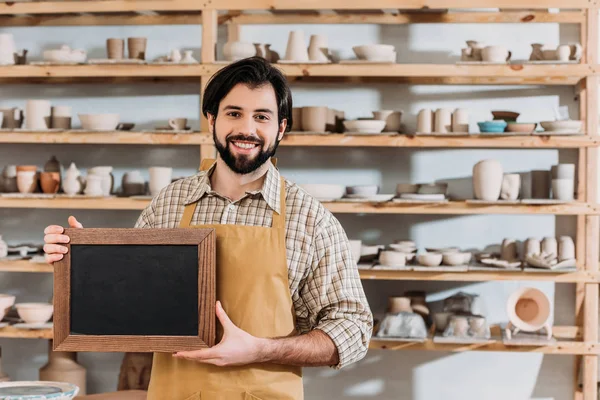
x,y
244,145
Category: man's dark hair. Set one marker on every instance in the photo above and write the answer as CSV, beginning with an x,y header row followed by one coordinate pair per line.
x,y
253,72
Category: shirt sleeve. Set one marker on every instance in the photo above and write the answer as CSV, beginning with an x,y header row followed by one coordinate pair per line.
x,y
334,295
146,218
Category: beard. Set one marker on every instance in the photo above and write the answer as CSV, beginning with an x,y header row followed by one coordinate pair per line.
x,y
244,164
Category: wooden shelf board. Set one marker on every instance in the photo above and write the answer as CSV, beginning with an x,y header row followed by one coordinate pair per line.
x,y
10,332
25,266
561,347
449,208
481,276
105,138
472,141
419,73
101,19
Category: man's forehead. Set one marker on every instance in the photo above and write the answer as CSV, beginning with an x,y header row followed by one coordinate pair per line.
x,y
245,98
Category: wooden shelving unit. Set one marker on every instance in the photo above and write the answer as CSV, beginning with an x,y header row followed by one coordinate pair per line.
x,y
580,340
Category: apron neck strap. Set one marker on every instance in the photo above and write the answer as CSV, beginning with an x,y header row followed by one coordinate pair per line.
x,y
278,219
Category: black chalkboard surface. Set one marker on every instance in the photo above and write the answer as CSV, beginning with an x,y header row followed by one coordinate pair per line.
x,y
135,290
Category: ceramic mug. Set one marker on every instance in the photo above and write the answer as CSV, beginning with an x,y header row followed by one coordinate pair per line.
x,y
532,246
566,248
425,121
12,118
562,189
178,124
496,54
549,245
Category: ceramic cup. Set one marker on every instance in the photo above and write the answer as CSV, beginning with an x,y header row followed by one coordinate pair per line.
x,y
314,119
496,54
136,47
563,171
460,120
12,118
61,122
27,181
443,120
160,177
563,189
115,49
532,246
549,245
425,121
37,114
393,119
178,124
566,248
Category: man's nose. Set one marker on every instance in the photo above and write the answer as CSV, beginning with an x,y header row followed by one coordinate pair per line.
x,y
246,125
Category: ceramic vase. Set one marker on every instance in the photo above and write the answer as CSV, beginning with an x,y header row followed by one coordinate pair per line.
x,y
107,178
487,180
235,51
3,376
133,184
314,119
460,120
7,49
93,186
37,114
425,121
296,47
27,181
443,120
72,183
160,177
317,48
511,185
63,367
3,251
50,182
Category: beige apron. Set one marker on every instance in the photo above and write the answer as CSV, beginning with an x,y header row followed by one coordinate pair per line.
x,y
252,284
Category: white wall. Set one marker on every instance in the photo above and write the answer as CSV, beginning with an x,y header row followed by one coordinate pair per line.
x,y
383,374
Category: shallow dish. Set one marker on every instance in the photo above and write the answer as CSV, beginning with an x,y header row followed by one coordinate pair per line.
x,y
364,126
562,126
496,126
375,52
508,116
521,127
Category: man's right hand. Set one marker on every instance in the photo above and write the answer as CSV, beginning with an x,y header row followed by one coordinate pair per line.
x,y
53,237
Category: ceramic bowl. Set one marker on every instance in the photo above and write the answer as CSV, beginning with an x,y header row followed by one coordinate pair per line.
x,y
375,52
521,127
324,191
492,126
402,248
573,126
456,258
429,259
6,302
442,249
433,188
364,125
362,190
99,122
508,116
392,258
33,313
65,55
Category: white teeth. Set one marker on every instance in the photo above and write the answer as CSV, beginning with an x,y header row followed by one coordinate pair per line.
x,y
245,145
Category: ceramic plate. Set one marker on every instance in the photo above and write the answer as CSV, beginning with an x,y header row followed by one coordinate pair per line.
x,y
302,62
417,196
37,390
41,325
378,198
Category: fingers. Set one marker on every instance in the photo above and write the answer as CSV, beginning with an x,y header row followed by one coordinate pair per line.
x,y
54,229
222,315
54,249
51,258
203,355
73,223
53,238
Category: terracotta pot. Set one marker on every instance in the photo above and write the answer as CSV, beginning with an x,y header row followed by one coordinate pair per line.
x,y
115,48
487,180
137,48
63,367
50,182
314,119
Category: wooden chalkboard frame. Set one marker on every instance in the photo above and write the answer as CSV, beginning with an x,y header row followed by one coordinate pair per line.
x,y
204,238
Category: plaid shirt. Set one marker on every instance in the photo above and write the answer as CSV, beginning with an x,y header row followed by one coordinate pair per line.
x,y
326,289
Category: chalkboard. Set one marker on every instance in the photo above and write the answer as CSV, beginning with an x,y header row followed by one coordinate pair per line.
x,y
135,290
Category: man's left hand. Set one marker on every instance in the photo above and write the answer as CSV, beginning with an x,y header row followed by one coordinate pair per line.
x,y
237,347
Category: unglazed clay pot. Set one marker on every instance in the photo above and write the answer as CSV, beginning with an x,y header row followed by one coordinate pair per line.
x,y
136,47
399,304
296,49
487,180
234,51
317,48
443,120
37,114
393,119
63,367
532,246
566,248
425,121
50,182
460,120
314,119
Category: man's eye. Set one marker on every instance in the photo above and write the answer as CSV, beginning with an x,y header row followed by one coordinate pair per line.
x,y
234,114
263,117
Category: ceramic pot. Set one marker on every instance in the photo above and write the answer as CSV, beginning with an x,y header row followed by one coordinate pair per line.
x,y
6,303
563,171
317,48
12,118
133,184
532,246
443,120
392,258
460,120
529,309
37,114
63,367
536,52
399,304
3,253
72,183
235,51
9,179
107,178
160,177
550,245
425,121
487,180
50,182
297,119
511,185
475,49
188,58
93,186
3,376
393,119
136,48
508,250
115,49
27,181
563,52
566,248
7,49
296,47
563,189
314,119
496,54
540,184
175,56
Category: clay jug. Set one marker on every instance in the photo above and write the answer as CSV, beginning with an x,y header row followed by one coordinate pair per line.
x,y
63,367
487,180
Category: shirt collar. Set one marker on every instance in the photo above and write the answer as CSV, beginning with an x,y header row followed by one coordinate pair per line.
x,y
269,191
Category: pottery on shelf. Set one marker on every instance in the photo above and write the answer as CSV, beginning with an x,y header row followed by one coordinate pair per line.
x,y
93,185
529,310
443,120
456,258
178,124
12,118
324,191
376,52
425,121
50,182
492,126
564,52
136,47
460,120
403,325
508,250
399,304
9,179
6,302
393,119
429,259
27,181
175,55
63,367
37,114
160,177
61,117
563,189
392,258
133,184
72,182
472,52
235,51
188,58
495,54
314,118
53,165
364,125
107,182
563,126
99,122
566,248
522,127
34,313
317,48
21,57
7,49
507,116
296,49
115,49
487,180
563,171
511,185
65,55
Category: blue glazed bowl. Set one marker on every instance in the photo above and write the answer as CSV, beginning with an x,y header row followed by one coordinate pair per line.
x,y
496,126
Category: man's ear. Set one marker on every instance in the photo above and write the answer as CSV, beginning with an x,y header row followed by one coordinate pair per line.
x,y
282,127
211,122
